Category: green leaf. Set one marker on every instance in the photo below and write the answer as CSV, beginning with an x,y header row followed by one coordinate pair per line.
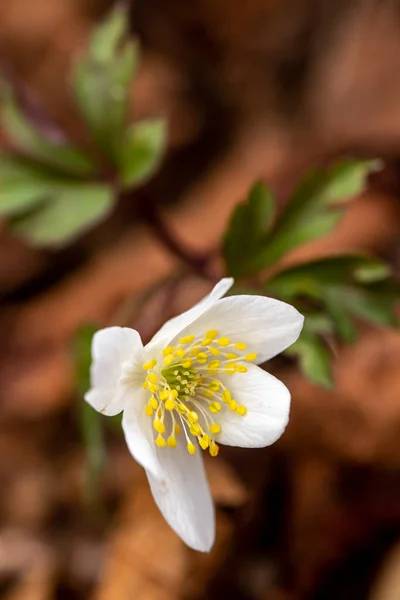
x,y
315,277
374,304
348,178
108,35
29,140
141,150
310,212
91,424
344,326
249,226
74,210
314,359
101,82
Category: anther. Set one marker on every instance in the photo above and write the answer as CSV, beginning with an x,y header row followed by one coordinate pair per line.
x,y
201,358
170,404
149,410
230,369
240,346
180,352
212,333
153,402
251,356
191,448
164,394
206,342
214,386
204,441
177,429
223,341
187,363
241,369
214,407
159,426
215,428
226,396
171,441
149,364
195,429
167,350
187,339
160,441
193,417
214,449
241,410
214,351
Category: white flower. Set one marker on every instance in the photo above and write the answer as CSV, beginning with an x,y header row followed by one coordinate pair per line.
x,y
195,385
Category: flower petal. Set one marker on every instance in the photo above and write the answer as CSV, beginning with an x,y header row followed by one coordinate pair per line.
x,y
267,326
138,431
183,496
267,401
111,348
172,327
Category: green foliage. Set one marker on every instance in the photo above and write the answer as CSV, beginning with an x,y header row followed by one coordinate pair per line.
x,y
342,289
30,142
314,358
312,211
53,192
248,230
72,210
90,421
141,150
102,80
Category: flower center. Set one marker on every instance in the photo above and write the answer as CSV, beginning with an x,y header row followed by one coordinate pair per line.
x,y
186,391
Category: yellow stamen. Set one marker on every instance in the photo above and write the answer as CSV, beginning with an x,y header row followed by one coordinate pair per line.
x,y
195,429
171,441
164,394
187,363
206,342
187,339
202,358
170,404
212,333
230,369
149,410
159,426
214,407
240,346
149,364
251,356
153,402
160,441
232,405
191,448
214,364
152,387
241,410
214,449
180,352
214,351
204,441
177,429
215,428
214,386
193,417
226,396
231,356
241,369
223,341
168,359
194,351
167,350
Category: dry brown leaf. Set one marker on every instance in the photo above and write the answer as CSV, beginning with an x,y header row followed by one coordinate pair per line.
x,y
145,559
387,585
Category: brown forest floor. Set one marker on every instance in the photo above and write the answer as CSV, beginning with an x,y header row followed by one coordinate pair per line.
x,y
316,517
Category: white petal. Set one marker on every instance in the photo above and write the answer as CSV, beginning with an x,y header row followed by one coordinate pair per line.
x,y
172,327
111,348
138,431
267,401
183,496
267,326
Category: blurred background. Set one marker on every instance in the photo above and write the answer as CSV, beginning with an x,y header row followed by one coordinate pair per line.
x,y
245,92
